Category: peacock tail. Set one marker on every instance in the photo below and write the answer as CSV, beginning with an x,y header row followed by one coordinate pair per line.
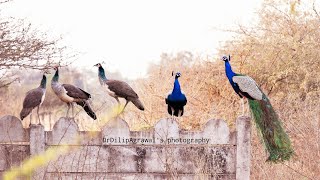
x,y
275,139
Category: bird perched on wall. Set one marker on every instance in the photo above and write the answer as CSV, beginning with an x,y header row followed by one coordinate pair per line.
x,y
71,94
34,99
274,137
116,89
176,100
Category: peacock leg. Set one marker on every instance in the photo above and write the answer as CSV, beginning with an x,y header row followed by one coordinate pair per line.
x,y
125,106
242,104
72,108
38,115
117,100
172,112
119,105
68,109
30,118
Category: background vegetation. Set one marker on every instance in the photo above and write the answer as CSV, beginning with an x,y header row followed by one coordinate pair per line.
x,y
280,50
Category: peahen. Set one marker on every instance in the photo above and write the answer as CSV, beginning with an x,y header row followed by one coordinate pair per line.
x,y
34,99
116,89
70,94
275,139
176,100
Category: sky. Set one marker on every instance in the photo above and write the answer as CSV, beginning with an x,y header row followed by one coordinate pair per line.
x,y
128,35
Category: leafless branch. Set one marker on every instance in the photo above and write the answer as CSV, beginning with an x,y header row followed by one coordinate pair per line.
x,y
314,9
22,46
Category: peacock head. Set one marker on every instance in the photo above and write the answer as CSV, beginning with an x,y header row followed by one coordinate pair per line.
x,y
178,74
98,65
226,58
56,74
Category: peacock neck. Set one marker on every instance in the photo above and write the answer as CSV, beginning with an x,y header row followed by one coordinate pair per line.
x,y
102,75
229,71
43,82
176,87
56,76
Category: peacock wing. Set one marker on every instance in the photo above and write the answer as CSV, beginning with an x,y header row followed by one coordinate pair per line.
x,y
248,85
121,89
33,98
185,99
76,92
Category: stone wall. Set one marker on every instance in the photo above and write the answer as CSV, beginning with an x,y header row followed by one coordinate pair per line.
x,y
115,152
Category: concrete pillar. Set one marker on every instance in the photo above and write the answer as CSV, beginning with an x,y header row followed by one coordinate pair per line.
x,y
37,139
243,148
37,146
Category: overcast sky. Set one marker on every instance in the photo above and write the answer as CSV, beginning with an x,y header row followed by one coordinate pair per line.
x,y
129,34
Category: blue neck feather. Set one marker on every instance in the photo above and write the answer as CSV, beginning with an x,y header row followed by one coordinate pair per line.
x,y
102,74
176,87
43,82
56,76
229,71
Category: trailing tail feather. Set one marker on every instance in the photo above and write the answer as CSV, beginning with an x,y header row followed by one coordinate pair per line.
x,y
25,112
177,111
276,141
137,103
88,109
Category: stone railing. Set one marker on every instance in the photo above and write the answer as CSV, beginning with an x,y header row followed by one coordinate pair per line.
x,y
115,152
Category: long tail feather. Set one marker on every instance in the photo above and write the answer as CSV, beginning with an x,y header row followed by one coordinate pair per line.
x,y
137,103
88,109
275,139
177,111
169,110
25,112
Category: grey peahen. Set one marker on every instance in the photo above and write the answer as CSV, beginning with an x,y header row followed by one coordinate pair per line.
x,y
34,99
71,94
118,89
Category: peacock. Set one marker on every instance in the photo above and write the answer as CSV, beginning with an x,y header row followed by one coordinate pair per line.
x,y
70,94
116,89
34,99
176,100
268,124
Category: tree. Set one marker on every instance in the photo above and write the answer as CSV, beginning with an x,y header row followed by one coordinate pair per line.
x,y
22,46
281,52
282,49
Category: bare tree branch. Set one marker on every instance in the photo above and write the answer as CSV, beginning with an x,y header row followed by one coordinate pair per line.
x,y
314,9
22,46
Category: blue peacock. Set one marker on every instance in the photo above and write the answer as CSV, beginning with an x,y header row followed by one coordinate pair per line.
x,y
176,100
275,139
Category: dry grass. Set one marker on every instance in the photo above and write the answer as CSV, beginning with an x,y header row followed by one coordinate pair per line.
x,y
209,96
281,53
